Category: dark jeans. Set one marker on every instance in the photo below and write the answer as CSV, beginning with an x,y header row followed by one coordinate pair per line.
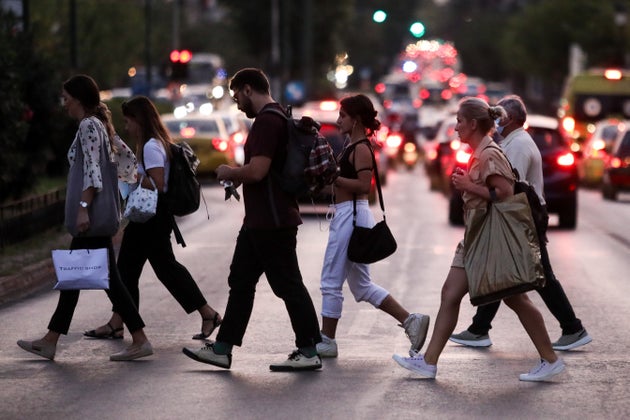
x,y
552,294
117,293
271,252
152,241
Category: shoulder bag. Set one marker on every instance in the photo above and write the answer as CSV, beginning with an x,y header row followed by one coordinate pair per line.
x,y
502,252
104,210
142,203
369,245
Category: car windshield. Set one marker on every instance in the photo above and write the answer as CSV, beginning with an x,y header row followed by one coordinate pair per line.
x,y
546,138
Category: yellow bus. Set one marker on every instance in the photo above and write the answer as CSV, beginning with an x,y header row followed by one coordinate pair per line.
x,y
592,96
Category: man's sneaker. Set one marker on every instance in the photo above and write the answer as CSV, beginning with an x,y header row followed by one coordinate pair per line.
x,y
571,341
543,371
416,364
416,327
328,347
298,361
207,355
472,340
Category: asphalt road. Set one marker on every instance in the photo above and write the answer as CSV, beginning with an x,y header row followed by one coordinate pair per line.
x,y
592,263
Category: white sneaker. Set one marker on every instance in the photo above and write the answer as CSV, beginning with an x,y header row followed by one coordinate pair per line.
x,y
416,327
543,371
298,361
416,364
328,347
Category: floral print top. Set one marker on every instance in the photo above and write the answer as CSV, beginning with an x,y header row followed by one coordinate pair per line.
x,y
93,135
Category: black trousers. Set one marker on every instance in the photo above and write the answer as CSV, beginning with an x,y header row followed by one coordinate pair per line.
x,y
271,252
151,241
117,293
552,294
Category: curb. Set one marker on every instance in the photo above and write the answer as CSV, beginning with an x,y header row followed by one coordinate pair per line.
x,y
29,280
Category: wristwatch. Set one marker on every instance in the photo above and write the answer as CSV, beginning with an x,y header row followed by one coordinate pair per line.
x,y
83,204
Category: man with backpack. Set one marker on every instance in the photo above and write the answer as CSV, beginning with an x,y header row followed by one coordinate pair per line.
x,y
266,243
523,154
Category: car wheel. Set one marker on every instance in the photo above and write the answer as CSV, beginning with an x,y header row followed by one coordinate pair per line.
x,y
567,219
456,210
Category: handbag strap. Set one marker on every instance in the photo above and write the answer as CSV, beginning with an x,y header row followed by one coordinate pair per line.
x,y
378,187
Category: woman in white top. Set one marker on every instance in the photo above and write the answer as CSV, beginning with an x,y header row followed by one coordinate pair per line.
x,y
151,240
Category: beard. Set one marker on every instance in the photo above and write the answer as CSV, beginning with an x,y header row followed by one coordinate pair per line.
x,y
247,107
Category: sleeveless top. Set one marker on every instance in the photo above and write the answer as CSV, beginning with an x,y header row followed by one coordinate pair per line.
x,y
346,168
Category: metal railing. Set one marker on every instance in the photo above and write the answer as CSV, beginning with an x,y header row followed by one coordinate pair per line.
x,y
25,218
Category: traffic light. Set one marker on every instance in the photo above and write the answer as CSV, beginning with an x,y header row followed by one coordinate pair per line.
x,y
179,64
417,29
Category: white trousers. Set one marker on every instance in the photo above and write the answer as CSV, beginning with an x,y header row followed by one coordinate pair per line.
x,y
338,268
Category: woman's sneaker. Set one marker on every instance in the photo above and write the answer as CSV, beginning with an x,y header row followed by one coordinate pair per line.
x,y
543,371
327,347
416,364
466,338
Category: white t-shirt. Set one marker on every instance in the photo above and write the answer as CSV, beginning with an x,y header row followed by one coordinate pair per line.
x,y
524,155
154,156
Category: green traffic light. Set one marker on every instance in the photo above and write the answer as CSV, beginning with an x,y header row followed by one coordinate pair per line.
x,y
417,29
379,16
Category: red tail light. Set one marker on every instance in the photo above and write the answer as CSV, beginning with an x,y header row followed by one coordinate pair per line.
x,y
566,160
238,137
462,157
220,144
615,162
394,141
187,132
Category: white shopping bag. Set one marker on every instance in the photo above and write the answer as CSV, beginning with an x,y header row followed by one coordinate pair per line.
x,y
81,268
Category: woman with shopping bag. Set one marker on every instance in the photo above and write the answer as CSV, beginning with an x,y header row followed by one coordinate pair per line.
x,y
149,238
489,178
92,214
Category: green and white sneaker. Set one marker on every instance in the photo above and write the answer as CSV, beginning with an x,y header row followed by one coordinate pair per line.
x,y
571,341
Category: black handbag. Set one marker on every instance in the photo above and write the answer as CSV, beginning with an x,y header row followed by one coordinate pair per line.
x,y
369,245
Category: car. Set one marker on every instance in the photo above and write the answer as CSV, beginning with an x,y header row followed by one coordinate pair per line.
x,y
437,153
616,176
595,151
559,172
213,137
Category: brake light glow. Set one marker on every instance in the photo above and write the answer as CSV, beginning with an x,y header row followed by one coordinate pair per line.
x,y
409,147
220,144
599,144
612,74
462,157
615,162
187,132
566,159
568,124
394,141
328,105
456,144
238,137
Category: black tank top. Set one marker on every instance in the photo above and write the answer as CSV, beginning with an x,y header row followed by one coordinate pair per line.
x,y
346,168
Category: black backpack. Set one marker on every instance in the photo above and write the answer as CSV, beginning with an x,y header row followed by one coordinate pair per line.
x,y
310,164
184,190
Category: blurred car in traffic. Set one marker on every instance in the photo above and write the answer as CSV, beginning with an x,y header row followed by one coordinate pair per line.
x,y
595,151
214,137
616,175
437,152
559,172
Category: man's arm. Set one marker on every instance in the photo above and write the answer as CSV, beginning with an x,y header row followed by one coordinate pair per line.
x,y
254,171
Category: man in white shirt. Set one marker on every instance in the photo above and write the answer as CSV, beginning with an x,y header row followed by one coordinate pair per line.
x,y
524,156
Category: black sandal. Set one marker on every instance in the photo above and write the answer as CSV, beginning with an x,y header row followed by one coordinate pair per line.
x,y
110,335
215,323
